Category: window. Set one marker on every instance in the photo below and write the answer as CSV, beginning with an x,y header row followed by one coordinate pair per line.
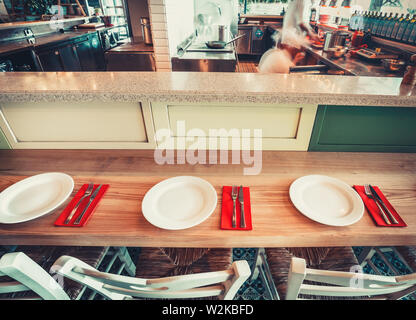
x,y
262,7
116,9
394,6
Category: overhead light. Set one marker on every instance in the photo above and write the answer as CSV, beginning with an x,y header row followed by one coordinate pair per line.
x,y
346,3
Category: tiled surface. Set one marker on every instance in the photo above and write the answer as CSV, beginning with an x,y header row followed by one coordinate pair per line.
x,y
157,13
255,290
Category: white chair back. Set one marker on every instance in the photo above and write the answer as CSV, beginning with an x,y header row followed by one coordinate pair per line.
x,y
345,284
223,284
27,275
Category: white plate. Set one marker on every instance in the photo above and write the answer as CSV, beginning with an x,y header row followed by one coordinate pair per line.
x,y
326,200
179,203
34,197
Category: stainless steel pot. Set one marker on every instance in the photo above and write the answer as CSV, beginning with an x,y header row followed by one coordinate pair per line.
x,y
335,39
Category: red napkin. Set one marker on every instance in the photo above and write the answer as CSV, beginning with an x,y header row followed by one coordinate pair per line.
x,y
227,209
375,211
62,217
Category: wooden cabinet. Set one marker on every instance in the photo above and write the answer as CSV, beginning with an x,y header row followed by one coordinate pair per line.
x,y
364,128
50,60
90,53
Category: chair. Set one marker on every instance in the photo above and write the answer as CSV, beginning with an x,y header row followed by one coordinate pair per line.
x,y
41,258
275,263
223,284
345,284
26,275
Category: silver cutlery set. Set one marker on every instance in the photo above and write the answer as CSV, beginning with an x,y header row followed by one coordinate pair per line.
x,y
88,194
372,194
240,193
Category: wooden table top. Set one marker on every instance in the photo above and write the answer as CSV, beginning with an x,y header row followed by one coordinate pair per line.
x,y
118,219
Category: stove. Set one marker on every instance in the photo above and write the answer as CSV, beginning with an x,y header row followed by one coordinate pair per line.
x,y
202,47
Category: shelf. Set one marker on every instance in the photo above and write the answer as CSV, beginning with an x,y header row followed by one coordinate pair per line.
x,y
394,44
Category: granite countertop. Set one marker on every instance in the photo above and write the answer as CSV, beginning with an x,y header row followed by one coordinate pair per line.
x,y
207,87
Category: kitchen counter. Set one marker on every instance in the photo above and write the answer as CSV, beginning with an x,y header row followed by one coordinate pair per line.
x,y
128,46
353,66
205,87
16,46
198,57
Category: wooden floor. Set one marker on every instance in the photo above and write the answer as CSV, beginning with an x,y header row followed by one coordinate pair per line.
x,y
247,66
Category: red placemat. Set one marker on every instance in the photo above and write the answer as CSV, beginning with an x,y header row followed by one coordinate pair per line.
x,y
227,209
62,217
374,211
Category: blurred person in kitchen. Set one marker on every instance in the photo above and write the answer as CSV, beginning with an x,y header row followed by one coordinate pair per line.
x,y
295,34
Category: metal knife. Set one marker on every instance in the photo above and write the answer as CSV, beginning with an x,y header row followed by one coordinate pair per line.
x,y
78,220
377,198
241,200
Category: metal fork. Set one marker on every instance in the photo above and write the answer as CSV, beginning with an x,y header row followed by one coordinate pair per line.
x,y
370,195
234,197
86,194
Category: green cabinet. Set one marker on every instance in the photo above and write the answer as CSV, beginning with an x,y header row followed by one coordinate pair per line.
x,y
3,141
364,129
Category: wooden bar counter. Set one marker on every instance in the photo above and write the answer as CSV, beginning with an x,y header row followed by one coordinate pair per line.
x,y
118,219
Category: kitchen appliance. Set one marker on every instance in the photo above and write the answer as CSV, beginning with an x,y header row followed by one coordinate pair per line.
x,y
393,65
258,39
221,44
321,68
146,30
336,52
372,55
335,39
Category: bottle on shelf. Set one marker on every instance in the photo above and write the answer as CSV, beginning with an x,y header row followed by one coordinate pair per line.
x,y
376,23
367,21
396,27
390,26
385,25
354,21
380,23
402,27
409,29
412,36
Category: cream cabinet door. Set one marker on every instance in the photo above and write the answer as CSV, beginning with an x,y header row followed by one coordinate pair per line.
x,y
78,125
280,127
3,141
